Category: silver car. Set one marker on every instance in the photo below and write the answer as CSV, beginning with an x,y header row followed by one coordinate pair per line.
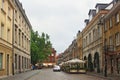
x,y
56,68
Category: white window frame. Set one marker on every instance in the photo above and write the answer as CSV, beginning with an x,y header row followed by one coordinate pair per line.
x,y
117,18
110,22
117,38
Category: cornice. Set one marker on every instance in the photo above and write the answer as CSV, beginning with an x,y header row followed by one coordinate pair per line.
x,y
94,19
19,5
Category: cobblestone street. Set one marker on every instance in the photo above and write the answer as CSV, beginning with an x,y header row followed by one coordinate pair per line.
x,y
48,74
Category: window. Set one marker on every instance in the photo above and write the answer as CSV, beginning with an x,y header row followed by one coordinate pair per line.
x,y
2,30
8,35
117,38
19,37
94,37
117,19
3,2
15,61
1,59
15,15
84,43
9,11
22,39
22,62
15,34
25,42
99,32
105,42
19,20
110,23
110,40
89,37
105,26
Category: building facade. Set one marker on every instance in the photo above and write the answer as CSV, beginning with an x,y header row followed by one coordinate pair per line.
x,y
6,23
21,39
99,42
111,39
92,40
51,60
79,45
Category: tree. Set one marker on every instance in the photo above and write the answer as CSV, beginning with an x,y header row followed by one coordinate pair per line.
x,y
40,47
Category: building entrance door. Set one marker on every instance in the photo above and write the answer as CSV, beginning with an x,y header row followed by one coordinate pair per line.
x,y
19,65
8,64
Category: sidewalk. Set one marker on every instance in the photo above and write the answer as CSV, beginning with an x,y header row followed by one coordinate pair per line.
x,y
109,77
22,76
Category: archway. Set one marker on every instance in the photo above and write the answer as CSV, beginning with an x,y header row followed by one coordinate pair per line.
x,y
90,64
85,65
96,62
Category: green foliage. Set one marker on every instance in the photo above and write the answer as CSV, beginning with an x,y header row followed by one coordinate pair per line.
x,y
40,47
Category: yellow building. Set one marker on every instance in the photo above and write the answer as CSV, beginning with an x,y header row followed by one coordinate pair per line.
x,y
21,40
79,45
6,22
111,40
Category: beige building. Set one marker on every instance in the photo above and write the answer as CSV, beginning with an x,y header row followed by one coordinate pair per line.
x,y
6,22
92,39
21,39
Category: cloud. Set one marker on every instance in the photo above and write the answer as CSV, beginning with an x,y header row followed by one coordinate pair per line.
x,y
61,19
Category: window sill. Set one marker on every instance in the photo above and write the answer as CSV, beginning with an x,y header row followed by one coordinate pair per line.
x,y
3,11
9,18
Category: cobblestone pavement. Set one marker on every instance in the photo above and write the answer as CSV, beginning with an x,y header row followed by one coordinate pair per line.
x,y
48,74
22,76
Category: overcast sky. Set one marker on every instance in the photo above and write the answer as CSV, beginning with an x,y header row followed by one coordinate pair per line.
x,y
60,19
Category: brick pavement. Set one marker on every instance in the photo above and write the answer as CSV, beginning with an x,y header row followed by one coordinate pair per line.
x,y
22,76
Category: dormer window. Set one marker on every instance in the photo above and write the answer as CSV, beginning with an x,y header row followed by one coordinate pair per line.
x,y
91,14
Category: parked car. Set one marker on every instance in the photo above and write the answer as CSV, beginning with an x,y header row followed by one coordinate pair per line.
x,y
56,68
